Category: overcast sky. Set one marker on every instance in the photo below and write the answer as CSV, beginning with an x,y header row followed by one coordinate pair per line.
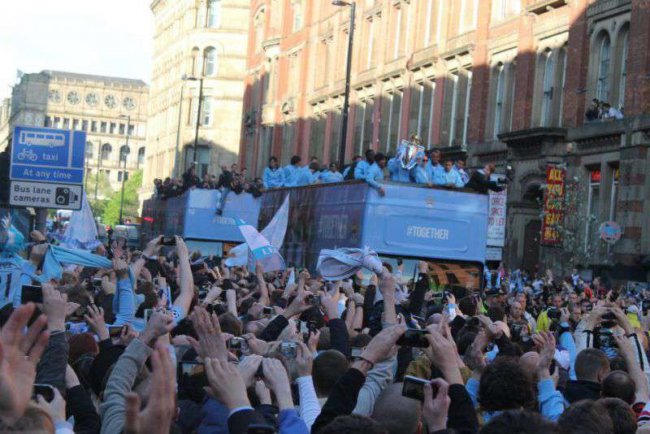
x,y
86,36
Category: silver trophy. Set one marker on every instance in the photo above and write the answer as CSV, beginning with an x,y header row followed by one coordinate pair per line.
x,y
408,154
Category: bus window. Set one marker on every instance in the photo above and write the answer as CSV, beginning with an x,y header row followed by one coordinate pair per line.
x,y
444,275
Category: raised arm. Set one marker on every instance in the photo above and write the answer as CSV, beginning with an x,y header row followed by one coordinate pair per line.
x,y
184,299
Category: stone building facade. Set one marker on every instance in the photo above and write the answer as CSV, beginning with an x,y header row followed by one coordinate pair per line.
x,y
498,81
195,39
106,108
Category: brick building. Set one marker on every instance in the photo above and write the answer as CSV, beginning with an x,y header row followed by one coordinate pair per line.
x,y
501,81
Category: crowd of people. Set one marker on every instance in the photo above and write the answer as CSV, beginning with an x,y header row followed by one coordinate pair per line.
x,y
231,179
602,111
167,340
374,167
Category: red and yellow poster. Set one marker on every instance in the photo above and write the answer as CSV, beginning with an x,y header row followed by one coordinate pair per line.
x,y
553,206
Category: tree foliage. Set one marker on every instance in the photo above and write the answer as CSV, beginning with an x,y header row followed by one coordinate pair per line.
x,y
111,212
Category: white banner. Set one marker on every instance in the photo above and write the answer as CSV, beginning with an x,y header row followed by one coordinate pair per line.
x,y
496,232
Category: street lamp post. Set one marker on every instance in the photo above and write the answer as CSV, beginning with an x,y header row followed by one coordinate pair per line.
x,y
178,131
99,165
124,155
348,70
198,116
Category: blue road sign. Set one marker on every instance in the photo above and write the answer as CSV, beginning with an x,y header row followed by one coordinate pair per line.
x,y
48,155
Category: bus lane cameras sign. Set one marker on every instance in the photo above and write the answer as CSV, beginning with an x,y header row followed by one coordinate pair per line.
x,y
47,168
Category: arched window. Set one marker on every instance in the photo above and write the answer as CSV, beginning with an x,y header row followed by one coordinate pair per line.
x,y
106,151
602,89
124,152
562,64
195,61
499,98
623,78
548,81
89,149
141,156
259,22
210,61
214,13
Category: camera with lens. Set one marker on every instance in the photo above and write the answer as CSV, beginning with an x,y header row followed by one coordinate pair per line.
x,y
63,196
553,314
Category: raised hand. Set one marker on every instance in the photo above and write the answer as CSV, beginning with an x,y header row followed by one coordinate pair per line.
x,y
546,342
94,316
435,408
54,307
56,408
226,384
208,330
381,346
160,323
445,355
248,368
121,268
19,355
304,360
276,379
156,418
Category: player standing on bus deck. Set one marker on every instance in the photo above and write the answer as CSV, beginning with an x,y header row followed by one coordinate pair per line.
x,y
376,173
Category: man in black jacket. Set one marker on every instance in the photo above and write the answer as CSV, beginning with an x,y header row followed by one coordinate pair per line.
x,y
480,180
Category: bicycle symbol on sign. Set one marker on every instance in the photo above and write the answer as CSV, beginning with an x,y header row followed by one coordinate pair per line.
x,y
27,154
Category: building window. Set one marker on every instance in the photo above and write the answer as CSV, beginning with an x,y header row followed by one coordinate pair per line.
x,y
131,129
93,126
363,125
623,76
48,121
547,83
335,135
502,9
119,176
141,153
206,111
124,153
452,110
214,13
288,136
391,110
499,99
294,73
562,64
194,65
398,12
113,128
259,22
614,193
593,205
468,94
421,115
84,125
122,129
104,127
265,145
602,89
202,159
210,61
89,150
317,136
66,123
106,151
428,18
297,15
75,124
467,15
